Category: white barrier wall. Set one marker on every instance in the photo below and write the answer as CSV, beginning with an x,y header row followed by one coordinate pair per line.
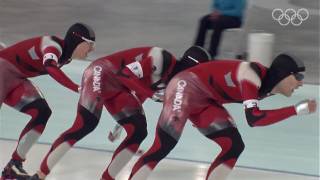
x,y
260,48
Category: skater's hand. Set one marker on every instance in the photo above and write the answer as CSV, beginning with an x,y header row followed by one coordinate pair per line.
x,y
306,107
158,96
115,133
79,89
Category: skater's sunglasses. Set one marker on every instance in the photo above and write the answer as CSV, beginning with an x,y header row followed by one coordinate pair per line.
x,y
298,76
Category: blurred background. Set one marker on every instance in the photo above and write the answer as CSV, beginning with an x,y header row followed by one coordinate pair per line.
x,y
290,146
171,24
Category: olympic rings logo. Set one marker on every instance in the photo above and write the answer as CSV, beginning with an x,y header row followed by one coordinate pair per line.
x,y
290,16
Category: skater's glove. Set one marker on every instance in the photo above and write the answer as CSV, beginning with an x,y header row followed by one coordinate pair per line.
x,y
306,107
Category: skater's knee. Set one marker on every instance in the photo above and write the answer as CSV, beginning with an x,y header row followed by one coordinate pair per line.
x,y
237,144
42,113
136,127
90,121
229,140
141,133
85,123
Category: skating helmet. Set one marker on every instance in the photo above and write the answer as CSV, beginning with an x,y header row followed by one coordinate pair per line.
x,y
191,57
76,34
282,66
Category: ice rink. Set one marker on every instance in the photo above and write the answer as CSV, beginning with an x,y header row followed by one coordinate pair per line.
x,y
71,167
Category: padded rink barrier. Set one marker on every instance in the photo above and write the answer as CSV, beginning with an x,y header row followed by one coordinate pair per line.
x,y
231,44
260,48
291,145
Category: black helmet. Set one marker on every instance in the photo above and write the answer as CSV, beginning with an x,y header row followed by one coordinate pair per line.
x,y
195,55
76,34
282,66
191,57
